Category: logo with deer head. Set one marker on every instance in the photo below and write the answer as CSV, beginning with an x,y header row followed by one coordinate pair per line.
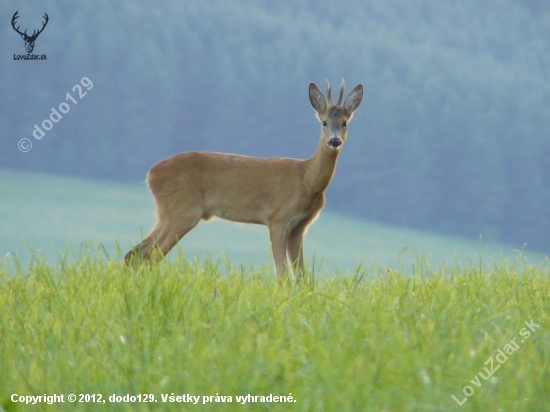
x,y
29,40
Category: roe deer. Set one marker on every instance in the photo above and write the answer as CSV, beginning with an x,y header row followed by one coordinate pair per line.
x,y
284,194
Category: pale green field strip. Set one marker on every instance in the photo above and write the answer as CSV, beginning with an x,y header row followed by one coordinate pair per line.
x,y
50,212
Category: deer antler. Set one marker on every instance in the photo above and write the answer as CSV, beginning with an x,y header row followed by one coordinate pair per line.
x,y
34,33
329,96
341,93
43,26
13,19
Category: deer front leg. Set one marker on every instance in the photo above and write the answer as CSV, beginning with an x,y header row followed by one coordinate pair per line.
x,y
278,237
295,247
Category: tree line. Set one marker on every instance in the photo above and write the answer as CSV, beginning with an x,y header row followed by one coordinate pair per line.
x,y
452,135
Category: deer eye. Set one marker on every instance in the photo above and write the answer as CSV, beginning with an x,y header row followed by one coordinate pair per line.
x,y
324,123
345,124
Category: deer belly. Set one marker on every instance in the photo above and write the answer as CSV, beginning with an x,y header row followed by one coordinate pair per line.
x,y
242,215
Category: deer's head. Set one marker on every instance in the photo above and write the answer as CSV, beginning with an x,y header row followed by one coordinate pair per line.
x,y
29,40
335,116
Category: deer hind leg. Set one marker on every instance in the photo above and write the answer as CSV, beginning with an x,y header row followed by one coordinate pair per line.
x,y
144,249
163,237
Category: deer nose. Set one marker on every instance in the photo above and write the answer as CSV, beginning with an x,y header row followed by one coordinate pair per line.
x,y
334,143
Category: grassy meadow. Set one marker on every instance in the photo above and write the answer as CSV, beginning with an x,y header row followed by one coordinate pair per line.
x,y
388,319
376,340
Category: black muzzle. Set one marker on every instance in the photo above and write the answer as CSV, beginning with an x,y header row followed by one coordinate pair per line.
x,y
334,143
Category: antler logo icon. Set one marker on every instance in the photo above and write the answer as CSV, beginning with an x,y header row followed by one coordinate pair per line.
x,y
29,40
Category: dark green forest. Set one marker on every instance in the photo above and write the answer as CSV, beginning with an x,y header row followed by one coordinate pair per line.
x,y
452,135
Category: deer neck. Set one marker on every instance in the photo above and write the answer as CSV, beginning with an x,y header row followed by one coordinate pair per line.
x,y
320,168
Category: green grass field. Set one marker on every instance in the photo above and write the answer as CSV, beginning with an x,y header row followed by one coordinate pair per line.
x,y
420,321
376,340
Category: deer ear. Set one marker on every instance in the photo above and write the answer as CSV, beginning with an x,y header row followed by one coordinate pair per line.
x,y
354,99
316,98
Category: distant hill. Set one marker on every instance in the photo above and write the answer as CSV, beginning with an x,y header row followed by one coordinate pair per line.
x,y
453,134
52,212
